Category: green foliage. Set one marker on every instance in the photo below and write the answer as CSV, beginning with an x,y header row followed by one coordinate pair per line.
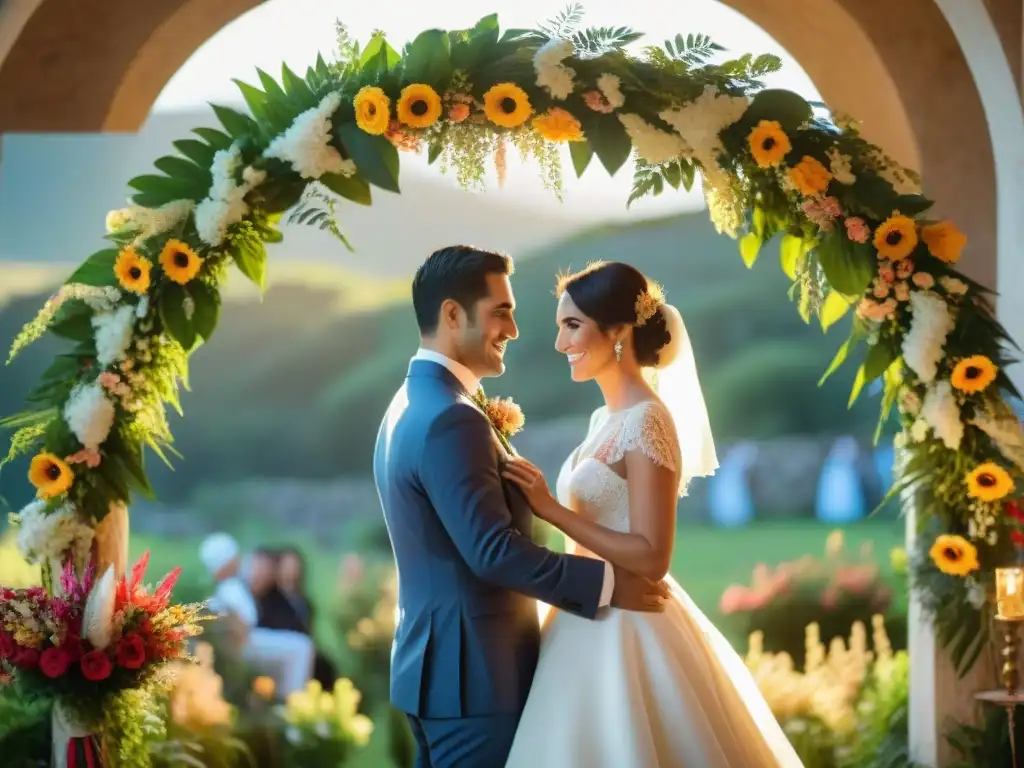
x,y
985,745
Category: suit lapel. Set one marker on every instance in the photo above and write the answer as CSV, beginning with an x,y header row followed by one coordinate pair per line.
x,y
522,515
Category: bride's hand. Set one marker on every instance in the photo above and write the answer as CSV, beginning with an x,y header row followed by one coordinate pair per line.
x,y
532,483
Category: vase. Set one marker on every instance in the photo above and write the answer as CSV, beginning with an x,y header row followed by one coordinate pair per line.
x,y
74,745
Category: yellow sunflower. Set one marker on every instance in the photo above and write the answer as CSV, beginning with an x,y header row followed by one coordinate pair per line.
x,y
896,237
419,106
989,482
973,374
810,177
558,125
132,270
954,555
769,144
945,242
373,110
50,475
180,262
507,105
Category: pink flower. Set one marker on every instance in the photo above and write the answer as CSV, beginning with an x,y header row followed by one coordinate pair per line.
x,y
830,598
108,380
875,311
830,207
887,273
735,599
901,291
923,280
904,268
91,458
857,229
458,112
597,102
880,288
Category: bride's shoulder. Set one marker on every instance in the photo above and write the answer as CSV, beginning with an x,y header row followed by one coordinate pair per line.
x,y
598,416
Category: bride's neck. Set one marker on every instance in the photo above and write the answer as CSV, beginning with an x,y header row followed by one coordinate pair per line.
x,y
622,387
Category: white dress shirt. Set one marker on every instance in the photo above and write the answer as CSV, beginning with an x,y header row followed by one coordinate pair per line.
x,y
472,383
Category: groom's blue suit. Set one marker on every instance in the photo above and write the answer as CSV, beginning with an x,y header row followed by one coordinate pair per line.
x,y
468,637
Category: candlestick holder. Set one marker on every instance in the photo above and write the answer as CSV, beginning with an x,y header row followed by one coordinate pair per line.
x,y
1009,673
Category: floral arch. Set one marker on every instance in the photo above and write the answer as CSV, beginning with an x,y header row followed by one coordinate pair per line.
x,y
854,227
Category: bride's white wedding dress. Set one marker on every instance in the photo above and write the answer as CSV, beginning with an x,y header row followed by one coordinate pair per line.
x,y
639,690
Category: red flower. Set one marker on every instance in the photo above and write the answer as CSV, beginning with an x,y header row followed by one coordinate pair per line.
x,y
1017,537
131,652
54,662
7,645
95,666
26,658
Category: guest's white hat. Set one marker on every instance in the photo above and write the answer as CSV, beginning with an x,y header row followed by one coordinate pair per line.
x,y
217,550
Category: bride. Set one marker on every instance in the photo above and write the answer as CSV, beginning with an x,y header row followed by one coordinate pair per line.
x,y
633,690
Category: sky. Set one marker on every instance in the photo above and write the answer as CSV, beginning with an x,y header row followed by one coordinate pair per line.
x,y
294,31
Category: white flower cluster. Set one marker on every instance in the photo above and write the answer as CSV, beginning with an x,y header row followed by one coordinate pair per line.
x,y
924,341
839,167
48,536
149,221
225,204
941,412
903,180
653,145
552,74
701,121
725,207
307,142
998,421
90,415
113,334
610,87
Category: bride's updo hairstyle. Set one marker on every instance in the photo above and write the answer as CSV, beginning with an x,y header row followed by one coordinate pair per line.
x,y
611,294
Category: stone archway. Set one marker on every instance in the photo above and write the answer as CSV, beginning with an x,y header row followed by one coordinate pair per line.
x,y
65,72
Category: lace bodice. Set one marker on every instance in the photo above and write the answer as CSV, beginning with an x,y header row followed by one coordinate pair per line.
x,y
590,486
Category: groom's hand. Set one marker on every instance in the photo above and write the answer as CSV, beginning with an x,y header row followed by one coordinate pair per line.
x,y
635,593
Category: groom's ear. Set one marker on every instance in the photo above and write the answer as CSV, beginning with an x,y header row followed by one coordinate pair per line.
x,y
450,310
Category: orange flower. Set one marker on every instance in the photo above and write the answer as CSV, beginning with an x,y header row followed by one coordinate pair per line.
x,y
181,264
558,125
50,475
769,144
810,177
896,237
945,242
506,416
458,112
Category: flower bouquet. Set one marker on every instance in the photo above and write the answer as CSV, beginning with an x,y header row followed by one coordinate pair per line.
x,y
88,640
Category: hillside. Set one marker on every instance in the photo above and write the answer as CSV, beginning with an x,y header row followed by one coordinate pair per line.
x,y
295,386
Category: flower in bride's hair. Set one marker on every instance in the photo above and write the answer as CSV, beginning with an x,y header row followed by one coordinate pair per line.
x,y
505,414
648,302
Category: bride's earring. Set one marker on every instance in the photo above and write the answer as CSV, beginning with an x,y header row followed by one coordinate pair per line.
x,y
618,351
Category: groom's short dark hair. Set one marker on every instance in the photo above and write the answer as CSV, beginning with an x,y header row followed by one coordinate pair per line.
x,y
457,272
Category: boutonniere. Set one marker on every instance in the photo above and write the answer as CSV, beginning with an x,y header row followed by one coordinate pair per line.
x,y
504,414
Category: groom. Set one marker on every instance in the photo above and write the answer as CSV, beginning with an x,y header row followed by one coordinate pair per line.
x,y
468,636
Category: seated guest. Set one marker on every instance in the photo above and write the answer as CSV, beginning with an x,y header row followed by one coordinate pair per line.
x,y
278,582
287,655
291,581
